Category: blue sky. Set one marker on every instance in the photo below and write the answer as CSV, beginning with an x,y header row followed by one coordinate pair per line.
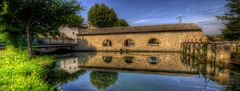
x,y
154,12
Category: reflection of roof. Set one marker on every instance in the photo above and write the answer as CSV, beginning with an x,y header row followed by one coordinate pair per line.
x,y
142,29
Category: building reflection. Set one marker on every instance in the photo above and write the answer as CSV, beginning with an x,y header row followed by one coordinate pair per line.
x,y
222,74
162,62
105,66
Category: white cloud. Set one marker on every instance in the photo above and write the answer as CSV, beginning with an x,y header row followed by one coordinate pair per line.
x,y
209,24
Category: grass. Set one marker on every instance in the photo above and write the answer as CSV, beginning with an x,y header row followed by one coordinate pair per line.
x,y
18,72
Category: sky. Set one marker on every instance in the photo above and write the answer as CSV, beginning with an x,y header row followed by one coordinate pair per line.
x,y
155,12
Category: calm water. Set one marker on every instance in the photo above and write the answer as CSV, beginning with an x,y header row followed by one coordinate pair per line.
x,y
141,72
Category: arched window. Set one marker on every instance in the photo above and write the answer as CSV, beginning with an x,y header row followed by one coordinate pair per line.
x,y
107,59
129,42
153,42
129,59
107,43
153,60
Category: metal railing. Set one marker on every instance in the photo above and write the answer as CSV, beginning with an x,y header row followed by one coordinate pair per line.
x,y
49,41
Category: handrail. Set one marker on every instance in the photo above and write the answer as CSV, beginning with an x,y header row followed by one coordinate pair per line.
x,y
55,41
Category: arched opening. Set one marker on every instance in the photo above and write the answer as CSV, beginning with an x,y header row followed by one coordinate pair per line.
x,y
129,59
107,43
107,59
153,41
129,42
153,60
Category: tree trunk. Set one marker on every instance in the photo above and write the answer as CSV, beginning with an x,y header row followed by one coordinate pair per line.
x,y
29,42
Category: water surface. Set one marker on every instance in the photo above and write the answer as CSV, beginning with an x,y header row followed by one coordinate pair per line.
x,y
138,71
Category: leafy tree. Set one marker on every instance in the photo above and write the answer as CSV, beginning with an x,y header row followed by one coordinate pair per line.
x,y
232,20
29,17
101,15
3,7
121,23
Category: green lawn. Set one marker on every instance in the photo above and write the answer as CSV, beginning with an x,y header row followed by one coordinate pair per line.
x,y
18,72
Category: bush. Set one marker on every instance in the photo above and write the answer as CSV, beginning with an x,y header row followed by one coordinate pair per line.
x,y
17,72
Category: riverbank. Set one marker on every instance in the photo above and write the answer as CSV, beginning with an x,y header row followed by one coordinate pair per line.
x,y
18,72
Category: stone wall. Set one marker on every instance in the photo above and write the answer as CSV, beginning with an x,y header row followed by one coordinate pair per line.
x,y
168,41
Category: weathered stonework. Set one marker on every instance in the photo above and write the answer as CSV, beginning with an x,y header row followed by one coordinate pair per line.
x,y
168,41
140,61
169,37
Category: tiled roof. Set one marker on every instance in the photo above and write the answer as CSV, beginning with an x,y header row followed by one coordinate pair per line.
x,y
141,29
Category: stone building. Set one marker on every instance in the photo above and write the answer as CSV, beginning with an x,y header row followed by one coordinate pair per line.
x,y
166,37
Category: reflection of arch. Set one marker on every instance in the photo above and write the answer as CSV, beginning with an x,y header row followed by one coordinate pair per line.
x,y
128,42
153,41
107,43
107,59
129,59
153,60
102,80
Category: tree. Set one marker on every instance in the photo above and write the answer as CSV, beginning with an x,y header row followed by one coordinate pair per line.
x,y
29,17
121,23
232,20
101,15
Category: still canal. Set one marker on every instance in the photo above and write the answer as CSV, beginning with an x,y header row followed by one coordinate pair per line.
x,y
137,71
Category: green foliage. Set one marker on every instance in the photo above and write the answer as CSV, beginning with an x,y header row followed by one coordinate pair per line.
x,y
18,73
3,7
31,17
232,20
102,80
121,23
75,21
101,15
215,37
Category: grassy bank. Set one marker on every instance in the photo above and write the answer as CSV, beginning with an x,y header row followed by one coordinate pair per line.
x,y
18,72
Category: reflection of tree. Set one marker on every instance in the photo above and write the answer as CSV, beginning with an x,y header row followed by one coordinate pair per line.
x,y
102,80
58,76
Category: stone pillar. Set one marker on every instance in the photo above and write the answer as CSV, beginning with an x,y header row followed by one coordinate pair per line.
x,y
224,54
187,48
191,49
210,53
196,49
237,46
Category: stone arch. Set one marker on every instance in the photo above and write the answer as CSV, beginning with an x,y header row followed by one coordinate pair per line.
x,y
153,60
153,41
129,42
107,43
107,59
129,59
